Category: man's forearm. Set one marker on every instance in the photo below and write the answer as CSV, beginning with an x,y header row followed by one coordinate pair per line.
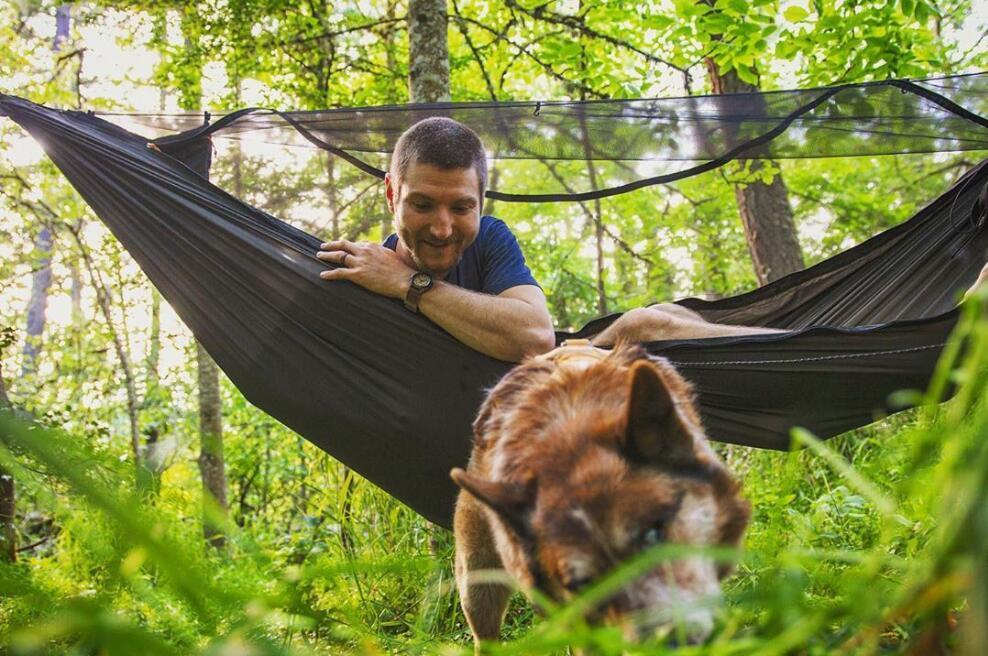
x,y
504,328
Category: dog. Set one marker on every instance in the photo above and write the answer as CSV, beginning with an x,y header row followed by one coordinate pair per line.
x,y
581,459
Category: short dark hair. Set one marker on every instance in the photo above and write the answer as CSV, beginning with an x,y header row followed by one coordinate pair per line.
x,y
441,142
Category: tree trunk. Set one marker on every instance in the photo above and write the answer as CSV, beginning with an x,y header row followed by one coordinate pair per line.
x,y
211,446
75,294
36,320
211,465
765,210
120,348
152,458
428,81
8,496
38,304
428,51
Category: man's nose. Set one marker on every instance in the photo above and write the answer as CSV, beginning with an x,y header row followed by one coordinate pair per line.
x,y
442,226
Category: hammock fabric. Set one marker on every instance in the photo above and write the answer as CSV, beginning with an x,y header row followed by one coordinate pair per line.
x,y
393,396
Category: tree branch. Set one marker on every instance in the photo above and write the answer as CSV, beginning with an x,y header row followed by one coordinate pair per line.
x,y
579,25
523,49
476,55
332,34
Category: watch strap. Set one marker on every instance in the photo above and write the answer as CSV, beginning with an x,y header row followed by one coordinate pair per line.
x,y
414,293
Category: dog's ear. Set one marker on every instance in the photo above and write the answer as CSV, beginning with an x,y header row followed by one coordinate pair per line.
x,y
658,433
512,501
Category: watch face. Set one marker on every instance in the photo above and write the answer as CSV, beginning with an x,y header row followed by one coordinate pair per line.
x,y
421,280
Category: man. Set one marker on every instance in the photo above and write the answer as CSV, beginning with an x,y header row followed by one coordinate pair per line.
x,y
466,272
463,271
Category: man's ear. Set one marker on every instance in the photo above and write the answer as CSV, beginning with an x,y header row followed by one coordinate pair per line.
x,y
511,501
658,433
390,193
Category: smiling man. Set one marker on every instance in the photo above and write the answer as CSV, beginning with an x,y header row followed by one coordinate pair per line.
x,y
462,270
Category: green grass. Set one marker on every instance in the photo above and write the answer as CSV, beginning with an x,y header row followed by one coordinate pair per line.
x,y
875,542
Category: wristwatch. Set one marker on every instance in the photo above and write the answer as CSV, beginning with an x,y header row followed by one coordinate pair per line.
x,y
420,283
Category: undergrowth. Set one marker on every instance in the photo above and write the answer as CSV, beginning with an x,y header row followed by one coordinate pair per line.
x,y
875,542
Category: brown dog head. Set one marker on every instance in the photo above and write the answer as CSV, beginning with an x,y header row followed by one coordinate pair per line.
x,y
587,467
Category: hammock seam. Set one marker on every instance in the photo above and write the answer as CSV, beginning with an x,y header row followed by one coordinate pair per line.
x,y
819,358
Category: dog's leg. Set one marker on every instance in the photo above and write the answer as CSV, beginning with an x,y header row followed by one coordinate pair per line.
x,y
483,603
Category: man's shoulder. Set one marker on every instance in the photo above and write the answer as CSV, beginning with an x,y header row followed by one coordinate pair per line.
x,y
492,222
493,228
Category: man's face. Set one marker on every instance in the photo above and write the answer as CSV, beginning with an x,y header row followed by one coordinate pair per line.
x,y
436,214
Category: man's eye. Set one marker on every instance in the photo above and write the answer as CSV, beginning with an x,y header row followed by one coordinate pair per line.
x,y
420,207
462,209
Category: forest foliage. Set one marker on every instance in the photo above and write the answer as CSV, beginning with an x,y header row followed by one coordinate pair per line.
x,y
875,542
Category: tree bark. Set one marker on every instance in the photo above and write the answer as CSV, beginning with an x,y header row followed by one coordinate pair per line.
x,y
211,466
152,459
38,304
8,496
75,295
765,210
428,51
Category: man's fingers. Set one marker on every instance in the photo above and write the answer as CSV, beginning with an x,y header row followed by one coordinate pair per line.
x,y
336,257
338,245
336,274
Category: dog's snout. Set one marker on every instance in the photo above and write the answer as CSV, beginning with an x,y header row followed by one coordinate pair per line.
x,y
692,628
677,618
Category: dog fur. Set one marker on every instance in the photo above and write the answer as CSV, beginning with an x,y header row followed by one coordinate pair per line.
x,y
577,465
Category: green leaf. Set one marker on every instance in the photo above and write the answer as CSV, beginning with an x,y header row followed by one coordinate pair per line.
x,y
740,6
795,14
922,12
747,74
716,23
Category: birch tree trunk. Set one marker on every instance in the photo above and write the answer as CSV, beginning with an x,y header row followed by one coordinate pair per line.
x,y
765,210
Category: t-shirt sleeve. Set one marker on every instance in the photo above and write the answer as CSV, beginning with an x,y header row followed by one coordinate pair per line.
x,y
503,262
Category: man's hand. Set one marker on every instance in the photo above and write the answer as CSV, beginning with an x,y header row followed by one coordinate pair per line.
x,y
372,266
510,326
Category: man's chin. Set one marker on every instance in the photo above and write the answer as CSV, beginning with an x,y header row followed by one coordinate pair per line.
x,y
435,266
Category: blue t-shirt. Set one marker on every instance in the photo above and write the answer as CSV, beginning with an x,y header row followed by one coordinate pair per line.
x,y
491,264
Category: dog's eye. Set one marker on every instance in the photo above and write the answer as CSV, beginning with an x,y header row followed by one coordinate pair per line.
x,y
577,584
654,535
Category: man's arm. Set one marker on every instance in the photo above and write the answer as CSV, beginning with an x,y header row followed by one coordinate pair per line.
x,y
509,326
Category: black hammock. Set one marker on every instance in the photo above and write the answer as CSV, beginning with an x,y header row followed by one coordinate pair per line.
x,y
393,396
